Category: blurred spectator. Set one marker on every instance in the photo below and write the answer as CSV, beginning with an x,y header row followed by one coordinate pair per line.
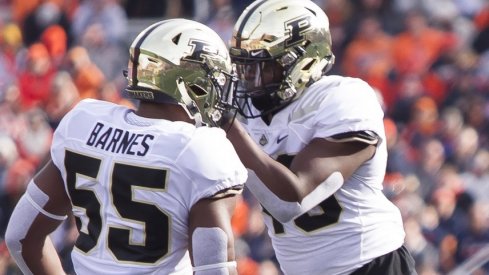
x,y
477,116
419,46
7,264
10,45
469,8
35,140
108,13
12,118
389,18
339,12
430,161
259,246
22,8
451,124
476,237
424,253
240,217
476,178
110,92
462,76
18,176
401,157
110,58
87,76
404,6
466,146
8,156
56,42
452,220
145,8
64,95
409,89
240,5
35,80
423,123
221,19
369,57
449,178
46,14
165,9
268,268
246,265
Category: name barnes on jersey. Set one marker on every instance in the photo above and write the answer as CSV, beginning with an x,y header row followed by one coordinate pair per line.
x,y
119,141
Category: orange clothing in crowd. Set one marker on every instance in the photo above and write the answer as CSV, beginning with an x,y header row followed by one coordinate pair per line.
x,y
36,80
369,53
56,41
369,57
240,218
247,266
416,52
89,79
21,8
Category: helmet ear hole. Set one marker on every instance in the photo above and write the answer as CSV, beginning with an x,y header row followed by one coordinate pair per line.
x,y
308,66
176,39
198,90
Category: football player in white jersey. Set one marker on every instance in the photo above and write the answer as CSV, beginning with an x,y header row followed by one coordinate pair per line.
x,y
152,190
315,146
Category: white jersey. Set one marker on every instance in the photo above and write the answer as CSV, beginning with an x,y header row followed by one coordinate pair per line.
x,y
132,182
358,223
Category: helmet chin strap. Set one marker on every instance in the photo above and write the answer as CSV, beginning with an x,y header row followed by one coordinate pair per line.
x,y
190,105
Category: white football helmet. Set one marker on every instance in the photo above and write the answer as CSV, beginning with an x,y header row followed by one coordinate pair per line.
x,y
183,62
279,47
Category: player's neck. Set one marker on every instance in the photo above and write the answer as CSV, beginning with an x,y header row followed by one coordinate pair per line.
x,y
172,112
267,118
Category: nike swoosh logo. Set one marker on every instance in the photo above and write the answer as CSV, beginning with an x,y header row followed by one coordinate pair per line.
x,y
257,53
279,139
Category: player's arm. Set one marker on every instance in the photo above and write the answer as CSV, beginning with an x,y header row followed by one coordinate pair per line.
x,y
211,237
39,212
315,173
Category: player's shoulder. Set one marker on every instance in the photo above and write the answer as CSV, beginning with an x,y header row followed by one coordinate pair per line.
x,y
336,86
338,94
212,137
209,144
87,111
95,106
338,104
211,158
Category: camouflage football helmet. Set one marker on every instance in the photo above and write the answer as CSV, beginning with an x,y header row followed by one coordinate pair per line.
x,y
279,47
183,62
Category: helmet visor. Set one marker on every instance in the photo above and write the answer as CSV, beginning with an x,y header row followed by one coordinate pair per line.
x,y
259,85
259,76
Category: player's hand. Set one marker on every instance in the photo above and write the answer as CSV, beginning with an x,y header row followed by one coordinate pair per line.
x,y
227,118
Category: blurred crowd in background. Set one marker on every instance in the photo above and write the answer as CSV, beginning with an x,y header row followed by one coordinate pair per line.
x,y
428,60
